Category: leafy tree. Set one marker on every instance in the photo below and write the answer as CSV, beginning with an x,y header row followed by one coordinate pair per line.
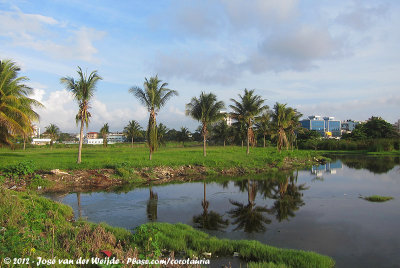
x,y
263,124
247,109
16,108
154,95
104,133
53,132
205,109
183,135
240,131
132,130
293,127
374,128
83,90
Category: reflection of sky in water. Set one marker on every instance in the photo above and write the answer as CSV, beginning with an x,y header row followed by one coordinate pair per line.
x,y
333,221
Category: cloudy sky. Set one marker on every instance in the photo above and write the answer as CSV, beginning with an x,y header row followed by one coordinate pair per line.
x,y
334,58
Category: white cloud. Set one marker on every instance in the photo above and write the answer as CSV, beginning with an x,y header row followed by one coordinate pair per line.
x,y
32,31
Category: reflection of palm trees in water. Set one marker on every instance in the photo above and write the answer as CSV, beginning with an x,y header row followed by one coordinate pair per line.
x,y
249,217
152,205
209,220
78,196
288,197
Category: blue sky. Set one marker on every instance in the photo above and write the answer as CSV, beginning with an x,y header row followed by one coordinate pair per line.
x,y
334,58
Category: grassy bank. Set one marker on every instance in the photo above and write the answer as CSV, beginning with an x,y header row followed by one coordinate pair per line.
x,y
33,226
95,157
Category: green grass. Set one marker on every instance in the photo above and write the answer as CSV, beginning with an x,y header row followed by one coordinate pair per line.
x,y
181,237
33,226
94,157
378,198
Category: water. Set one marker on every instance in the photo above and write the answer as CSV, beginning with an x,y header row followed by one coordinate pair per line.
x,y
317,209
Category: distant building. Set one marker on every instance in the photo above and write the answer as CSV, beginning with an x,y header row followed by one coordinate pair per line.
x,y
330,168
349,125
326,126
116,137
93,141
41,141
227,118
92,135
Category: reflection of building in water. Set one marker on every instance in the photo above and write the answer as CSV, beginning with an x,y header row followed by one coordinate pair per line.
x,y
327,168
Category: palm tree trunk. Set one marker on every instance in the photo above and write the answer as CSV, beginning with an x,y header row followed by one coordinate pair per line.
x,y
151,153
224,142
242,143
24,142
264,141
248,141
132,142
80,144
204,145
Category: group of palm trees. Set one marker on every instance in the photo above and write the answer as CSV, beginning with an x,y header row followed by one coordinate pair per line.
x,y
248,111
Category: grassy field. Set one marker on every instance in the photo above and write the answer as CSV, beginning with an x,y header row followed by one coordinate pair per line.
x,y
173,155
34,226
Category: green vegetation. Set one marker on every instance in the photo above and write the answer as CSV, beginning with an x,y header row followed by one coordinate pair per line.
x,y
181,237
53,132
378,198
105,129
97,157
34,226
132,130
16,108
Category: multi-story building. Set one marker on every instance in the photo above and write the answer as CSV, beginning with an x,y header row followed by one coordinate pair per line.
x,y
116,137
92,135
35,132
227,118
326,126
349,125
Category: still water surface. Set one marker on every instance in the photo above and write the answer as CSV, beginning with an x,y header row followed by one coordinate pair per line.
x,y
319,209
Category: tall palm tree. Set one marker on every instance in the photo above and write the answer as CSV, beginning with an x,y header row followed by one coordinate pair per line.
x,y
183,135
247,109
16,108
153,95
263,124
294,126
52,131
240,130
104,133
281,120
132,130
82,90
205,109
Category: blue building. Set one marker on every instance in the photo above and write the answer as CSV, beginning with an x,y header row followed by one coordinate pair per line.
x,y
326,126
349,125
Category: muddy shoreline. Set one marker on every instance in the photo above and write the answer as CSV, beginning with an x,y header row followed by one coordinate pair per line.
x,y
86,180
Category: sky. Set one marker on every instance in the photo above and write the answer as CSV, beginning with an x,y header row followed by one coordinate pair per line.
x,y
329,58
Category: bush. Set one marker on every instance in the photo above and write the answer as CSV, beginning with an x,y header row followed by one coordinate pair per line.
x,y
21,169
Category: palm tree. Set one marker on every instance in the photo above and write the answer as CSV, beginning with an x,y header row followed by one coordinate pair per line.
x,y
240,130
263,124
152,205
104,132
281,120
132,130
52,131
247,109
294,126
154,95
16,108
161,134
183,135
205,109
82,90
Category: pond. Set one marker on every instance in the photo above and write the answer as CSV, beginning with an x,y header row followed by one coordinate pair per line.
x,y
318,209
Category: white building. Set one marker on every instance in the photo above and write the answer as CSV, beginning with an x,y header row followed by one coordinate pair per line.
x,y
41,141
35,132
116,137
93,141
227,118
